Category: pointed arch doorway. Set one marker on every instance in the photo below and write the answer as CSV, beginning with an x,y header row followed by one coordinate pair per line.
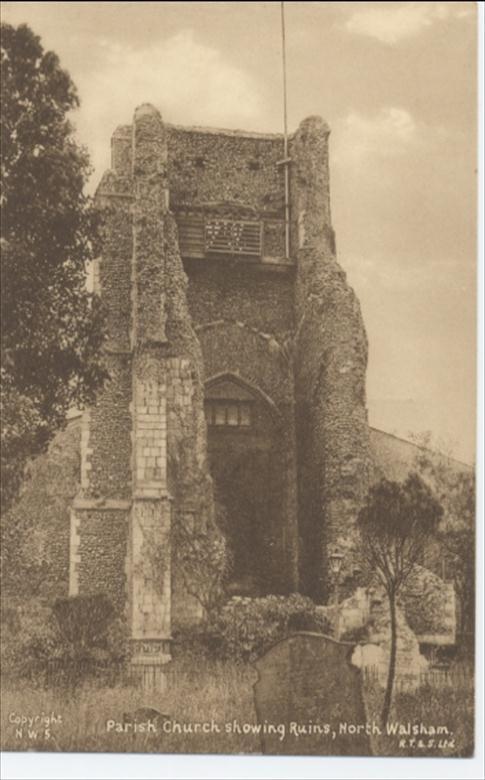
x,y
246,459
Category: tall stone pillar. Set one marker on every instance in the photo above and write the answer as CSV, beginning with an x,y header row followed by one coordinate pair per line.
x,y
144,442
330,366
150,552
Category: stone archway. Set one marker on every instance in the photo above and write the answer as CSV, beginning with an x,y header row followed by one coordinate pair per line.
x,y
247,463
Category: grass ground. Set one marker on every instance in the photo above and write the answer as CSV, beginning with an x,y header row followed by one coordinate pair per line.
x,y
214,693
448,706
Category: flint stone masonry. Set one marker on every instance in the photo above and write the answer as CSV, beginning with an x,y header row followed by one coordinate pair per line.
x,y
115,272
186,324
330,361
207,166
101,552
46,503
106,439
221,290
176,326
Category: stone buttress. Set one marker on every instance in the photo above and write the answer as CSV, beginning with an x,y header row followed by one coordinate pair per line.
x,y
143,443
330,361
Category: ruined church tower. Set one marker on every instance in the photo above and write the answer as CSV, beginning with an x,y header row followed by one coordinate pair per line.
x,y
237,374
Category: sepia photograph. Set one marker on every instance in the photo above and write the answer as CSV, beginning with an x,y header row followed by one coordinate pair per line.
x,y
240,248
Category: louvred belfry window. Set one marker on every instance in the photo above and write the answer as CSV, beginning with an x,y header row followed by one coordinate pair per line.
x,y
231,236
228,413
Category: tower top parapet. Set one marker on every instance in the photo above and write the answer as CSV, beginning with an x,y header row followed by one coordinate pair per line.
x,y
216,176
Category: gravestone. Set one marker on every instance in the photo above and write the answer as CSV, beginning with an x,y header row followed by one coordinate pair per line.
x,y
308,699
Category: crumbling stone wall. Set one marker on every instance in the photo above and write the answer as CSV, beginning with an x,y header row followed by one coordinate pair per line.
x,y
143,445
289,328
207,166
330,360
231,291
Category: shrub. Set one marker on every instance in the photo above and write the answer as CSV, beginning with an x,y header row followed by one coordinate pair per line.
x,y
29,639
77,639
245,628
95,642
83,620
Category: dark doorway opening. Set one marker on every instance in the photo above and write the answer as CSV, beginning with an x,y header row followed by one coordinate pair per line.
x,y
246,463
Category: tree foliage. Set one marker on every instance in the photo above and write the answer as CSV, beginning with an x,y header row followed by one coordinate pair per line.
x,y
395,523
455,488
51,325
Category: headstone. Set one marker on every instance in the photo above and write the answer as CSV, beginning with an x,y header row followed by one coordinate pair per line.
x,y
308,699
410,663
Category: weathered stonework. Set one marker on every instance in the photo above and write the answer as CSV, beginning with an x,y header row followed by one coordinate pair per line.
x,y
274,343
101,552
330,360
143,443
47,499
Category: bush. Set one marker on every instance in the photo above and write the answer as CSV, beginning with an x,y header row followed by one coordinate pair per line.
x,y
94,642
83,620
245,628
118,641
30,637
78,638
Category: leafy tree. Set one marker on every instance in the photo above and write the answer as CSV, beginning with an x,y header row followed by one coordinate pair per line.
x,y
396,521
455,489
51,325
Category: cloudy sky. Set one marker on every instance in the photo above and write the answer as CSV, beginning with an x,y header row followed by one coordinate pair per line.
x,y
396,82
